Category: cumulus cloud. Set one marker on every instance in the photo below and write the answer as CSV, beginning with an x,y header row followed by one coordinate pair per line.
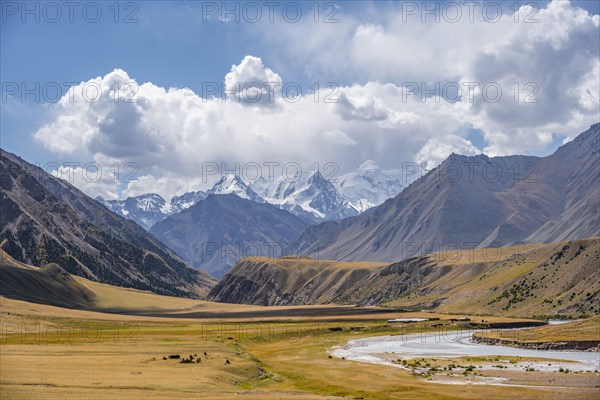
x,y
548,54
437,150
365,108
368,103
172,135
251,83
397,111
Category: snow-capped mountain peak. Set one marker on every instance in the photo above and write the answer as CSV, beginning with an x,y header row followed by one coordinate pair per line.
x,y
310,195
150,202
145,209
370,185
149,208
231,183
318,180
186,200
369,165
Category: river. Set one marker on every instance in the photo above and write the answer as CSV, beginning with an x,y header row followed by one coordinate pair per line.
x,y
451,344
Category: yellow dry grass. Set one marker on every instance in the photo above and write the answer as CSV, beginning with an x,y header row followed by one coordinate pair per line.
x,y
54,353
115,350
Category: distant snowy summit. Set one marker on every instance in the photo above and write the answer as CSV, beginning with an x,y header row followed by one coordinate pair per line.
x,y
148,209
233,184
370,185
311,196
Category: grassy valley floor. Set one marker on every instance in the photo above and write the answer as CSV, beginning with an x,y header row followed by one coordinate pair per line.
x,y
54,353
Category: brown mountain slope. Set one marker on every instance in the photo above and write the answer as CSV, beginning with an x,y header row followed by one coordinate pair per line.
x,y
47,220
289,280
470,202
527,280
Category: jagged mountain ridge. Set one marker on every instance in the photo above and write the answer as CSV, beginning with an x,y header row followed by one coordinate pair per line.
x,y
312,196
145,210
148,209
233,184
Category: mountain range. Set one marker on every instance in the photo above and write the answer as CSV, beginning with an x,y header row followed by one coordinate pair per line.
x,y
465,203
474,202
216,232
45,220
310,196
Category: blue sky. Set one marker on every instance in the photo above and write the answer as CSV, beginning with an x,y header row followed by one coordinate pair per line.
x,y
169,45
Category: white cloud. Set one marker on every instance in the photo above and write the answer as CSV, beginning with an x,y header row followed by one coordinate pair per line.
x,y
339,138
170,133
556,48
437,150
251,83
366,108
